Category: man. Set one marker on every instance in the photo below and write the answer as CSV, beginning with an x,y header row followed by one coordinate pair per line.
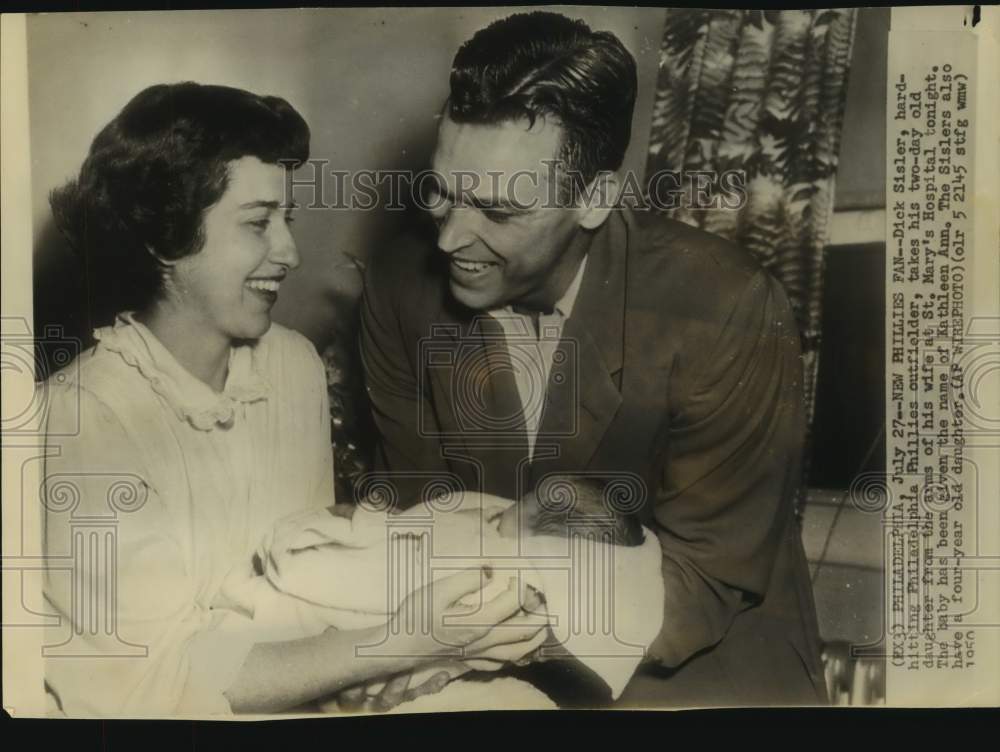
x,y
549,332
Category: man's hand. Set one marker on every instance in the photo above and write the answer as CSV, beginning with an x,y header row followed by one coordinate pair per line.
x,y
453,624
510,640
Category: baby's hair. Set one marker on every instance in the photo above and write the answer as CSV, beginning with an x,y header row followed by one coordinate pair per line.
x,y
578,505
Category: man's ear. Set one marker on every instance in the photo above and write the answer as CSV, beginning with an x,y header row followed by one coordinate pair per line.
x,y
600,198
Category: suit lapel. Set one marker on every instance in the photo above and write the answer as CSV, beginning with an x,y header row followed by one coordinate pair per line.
x,y
441,354
583,397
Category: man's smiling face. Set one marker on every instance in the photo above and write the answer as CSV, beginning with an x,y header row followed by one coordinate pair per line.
x,y
497,222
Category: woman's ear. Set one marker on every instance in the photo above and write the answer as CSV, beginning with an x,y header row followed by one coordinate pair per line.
x,y
160,259
600,198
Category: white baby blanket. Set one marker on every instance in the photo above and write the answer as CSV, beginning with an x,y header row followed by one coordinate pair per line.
x,y
604,603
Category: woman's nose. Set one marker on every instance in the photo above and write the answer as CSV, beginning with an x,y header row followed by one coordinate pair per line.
x,y
285,251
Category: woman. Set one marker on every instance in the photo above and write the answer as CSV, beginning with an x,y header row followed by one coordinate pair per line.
x,y
212,418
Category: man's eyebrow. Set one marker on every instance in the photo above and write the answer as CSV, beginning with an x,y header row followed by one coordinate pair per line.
x,y
268,205
499,203
492,204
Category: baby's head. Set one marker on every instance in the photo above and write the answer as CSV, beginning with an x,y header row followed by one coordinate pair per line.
x,y
562,505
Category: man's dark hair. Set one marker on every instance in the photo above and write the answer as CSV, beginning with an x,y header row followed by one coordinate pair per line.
x,y
569,505
153,171
533,65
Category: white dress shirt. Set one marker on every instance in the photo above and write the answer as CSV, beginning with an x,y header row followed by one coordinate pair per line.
x,y
531,352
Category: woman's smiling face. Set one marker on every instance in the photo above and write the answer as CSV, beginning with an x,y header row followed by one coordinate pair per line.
x,y
231,284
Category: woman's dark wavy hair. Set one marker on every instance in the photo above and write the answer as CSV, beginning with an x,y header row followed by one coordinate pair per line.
x,y
539,64
153,171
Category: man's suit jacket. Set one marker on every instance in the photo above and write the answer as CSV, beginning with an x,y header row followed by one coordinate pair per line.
x,y
679,369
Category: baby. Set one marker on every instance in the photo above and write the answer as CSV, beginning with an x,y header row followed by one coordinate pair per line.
x,y
343,559
332,567
560,507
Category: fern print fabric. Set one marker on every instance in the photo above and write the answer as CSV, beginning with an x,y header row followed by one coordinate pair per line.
x,y
760,92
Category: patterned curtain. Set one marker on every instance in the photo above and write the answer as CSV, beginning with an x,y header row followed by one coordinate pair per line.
x,y
352,426
761,92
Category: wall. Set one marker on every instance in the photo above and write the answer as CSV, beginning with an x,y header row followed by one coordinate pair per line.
x,y
861,172
843,543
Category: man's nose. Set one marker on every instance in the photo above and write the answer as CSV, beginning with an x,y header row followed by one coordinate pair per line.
x,y
455,231
285,251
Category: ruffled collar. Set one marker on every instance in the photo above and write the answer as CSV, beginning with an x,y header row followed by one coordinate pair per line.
x,y
189,397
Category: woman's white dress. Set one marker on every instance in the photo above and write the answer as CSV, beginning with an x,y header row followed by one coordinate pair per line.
x,y
157,490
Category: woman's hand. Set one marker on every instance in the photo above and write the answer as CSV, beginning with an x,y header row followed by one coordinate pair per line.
x,y
509,639
395,692
497,631
514,638
435,624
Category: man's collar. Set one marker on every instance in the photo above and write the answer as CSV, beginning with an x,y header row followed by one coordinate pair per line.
x,y
597,294
565,304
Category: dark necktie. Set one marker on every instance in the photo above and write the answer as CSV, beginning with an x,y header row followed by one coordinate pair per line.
x,y
532,314
506,440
